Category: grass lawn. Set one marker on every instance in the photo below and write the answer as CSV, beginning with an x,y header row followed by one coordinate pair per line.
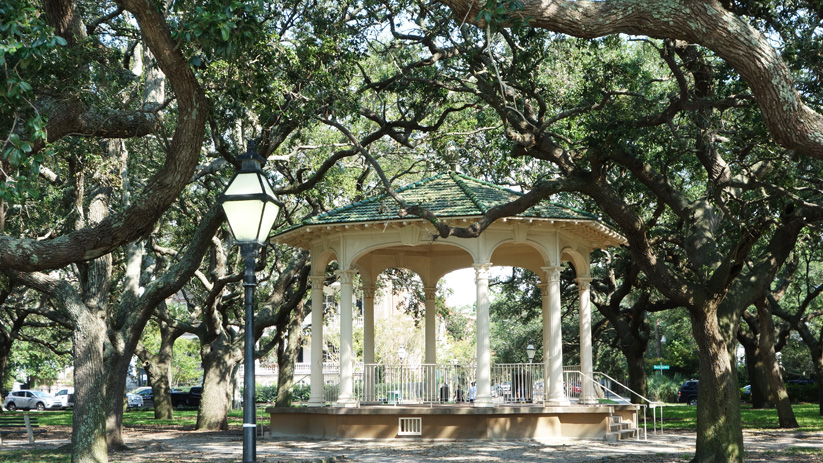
x,y
132,418
35,456
685,417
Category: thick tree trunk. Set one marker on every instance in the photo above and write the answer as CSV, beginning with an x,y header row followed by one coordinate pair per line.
x,y
217,378
88,435
637,369
161,389
818,372
4,358
287,350
757,376
89,430
719,431
158,371
117,369
785,414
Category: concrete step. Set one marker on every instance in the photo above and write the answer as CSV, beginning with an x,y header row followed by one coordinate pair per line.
x,y
620,426
620,435
619,429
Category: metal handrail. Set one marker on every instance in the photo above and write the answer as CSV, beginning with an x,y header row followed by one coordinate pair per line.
x,y
653,404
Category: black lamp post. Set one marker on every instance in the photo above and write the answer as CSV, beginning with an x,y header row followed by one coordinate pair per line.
x,y
251,210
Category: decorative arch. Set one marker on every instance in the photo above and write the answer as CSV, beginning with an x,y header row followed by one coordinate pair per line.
x,y
321,259
578,261
520,259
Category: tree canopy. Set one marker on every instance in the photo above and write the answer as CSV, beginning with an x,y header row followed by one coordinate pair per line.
x,y
694,128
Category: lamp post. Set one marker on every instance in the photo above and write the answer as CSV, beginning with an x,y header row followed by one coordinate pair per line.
x,y
662,341
251,210
530,350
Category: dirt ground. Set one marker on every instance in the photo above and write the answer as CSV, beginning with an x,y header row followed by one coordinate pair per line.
x,y
180,445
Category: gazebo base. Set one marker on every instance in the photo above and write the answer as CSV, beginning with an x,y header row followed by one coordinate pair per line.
x,y
452,421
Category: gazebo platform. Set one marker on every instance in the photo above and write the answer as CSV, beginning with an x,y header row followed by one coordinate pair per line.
x,y
455,421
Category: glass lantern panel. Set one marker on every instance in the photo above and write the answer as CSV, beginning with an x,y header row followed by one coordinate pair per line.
x,y
244,184
244,218
266,186
269,216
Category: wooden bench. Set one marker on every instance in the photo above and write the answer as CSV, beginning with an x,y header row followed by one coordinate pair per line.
x,y
16,424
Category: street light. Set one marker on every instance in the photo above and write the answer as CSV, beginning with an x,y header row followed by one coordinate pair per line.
x,y
251,210
530,350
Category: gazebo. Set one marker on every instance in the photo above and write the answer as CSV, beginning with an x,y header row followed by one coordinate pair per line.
x,y
373,235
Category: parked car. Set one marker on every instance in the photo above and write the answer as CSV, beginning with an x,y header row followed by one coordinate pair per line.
x,y
802,381
688,392
146,395
63,396
179,398
134,400
27,399
195,394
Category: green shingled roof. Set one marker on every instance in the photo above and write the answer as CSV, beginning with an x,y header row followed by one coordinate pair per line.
x,y
446,195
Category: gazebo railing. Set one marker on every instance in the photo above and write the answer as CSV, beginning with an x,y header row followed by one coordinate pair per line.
x,y
513,383
412,384
572,382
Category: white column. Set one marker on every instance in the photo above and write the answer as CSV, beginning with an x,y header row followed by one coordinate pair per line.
x,y
346,397
587,394
316,397
431,344
556,394
368,343
484,398
368,323
547,334
431,321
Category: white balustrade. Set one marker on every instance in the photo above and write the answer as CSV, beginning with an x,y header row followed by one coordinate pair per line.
x,y
413,384
518,383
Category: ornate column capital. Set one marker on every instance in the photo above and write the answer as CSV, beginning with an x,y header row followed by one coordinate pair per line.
x,y
544,289
368,291
346,276
583,283
481,271
553,273
430,293
317,280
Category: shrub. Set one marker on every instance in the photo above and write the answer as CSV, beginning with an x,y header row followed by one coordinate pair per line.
x,y
663,388
802,392
301,393
265,394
